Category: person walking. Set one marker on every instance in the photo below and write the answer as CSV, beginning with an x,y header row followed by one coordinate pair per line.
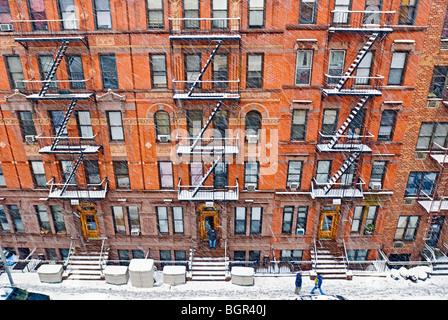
x,y
298,283
212,235
317,284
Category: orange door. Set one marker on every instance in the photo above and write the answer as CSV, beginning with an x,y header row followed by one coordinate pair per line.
x,y
89,221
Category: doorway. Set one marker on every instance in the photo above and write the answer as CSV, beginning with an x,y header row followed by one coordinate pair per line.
x,y
89,221
208,218
434,231
328,222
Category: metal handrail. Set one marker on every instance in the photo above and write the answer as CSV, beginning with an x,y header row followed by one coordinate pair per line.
x,y
315,256
347,266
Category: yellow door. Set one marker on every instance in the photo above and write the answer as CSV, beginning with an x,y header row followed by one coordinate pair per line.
x,y
328,224
89,221
208,218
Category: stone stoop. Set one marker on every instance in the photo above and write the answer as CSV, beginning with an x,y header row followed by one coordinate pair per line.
x,y
330,261
85,266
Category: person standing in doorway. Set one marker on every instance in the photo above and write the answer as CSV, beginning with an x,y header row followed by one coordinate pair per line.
x,y
317,284
212,235
298,283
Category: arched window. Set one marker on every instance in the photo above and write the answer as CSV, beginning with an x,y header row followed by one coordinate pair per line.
x,y
253,123
162,125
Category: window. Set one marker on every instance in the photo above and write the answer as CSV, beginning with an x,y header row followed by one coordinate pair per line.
x,y
5,12
92,172
45,64
4,225
364,68
408,12
178,220
432,134
254,77
329,123
220,124
240,220
67,169
103,20
377,174
323,171
371,219
438,82
57,118
84,124
119,223
421,184
354,129
155,14
288,213
387,125
298,125
255,220
445,27
191,11
253,124
37,12
134,218
308,11
303,67
109,71
43,218
220,176
2,178
38,171
335,66
220,71
123,256
291,255
251,175
162,125
16,218
342,15
75,72
397,66
256,14
372,13
194,122
357,219
26,124
347,178
192,69
220,14
357,255
15,72
302,218
158,71
68,15
166,174
58,219
294,176
121,172
196,173
407,228
115,125
162,220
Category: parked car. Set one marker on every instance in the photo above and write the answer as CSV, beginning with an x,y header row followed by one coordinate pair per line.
x,y
14,293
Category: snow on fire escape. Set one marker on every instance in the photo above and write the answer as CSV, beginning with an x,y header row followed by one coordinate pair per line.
x,y
214,33
61,143
349,139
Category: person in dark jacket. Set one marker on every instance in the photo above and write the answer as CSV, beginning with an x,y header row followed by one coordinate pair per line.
x,y
317,284
212,235
298,283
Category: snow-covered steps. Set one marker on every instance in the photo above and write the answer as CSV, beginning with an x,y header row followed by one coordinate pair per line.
x,y
330,262
209,268
87,266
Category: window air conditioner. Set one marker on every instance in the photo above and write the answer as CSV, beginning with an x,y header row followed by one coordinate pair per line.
x,y
30,138
252,138
300,231
293,185
251,186
163,137
375,185
6,27
135,231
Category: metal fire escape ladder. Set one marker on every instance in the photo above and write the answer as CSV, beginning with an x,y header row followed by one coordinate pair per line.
x,y
201,74
347,163
361,54
64,123
210,119
205,177
72,173
56,62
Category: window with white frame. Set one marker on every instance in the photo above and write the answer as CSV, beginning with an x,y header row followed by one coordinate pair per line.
x,y
397,68
308,11
103,18
256,14
155,14
304,63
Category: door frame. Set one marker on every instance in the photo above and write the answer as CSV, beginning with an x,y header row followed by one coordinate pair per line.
x,y
333,211
88,209
203,212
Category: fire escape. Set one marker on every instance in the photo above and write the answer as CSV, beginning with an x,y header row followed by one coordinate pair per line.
x,y
61,144
349,141
212,33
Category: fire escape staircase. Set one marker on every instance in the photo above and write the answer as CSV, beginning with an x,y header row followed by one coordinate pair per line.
x,y
218,147
58,190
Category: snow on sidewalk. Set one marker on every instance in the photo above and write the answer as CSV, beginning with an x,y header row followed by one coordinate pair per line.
x,y
265,288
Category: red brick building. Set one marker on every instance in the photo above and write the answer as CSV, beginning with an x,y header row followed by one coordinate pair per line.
x,y
143,123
